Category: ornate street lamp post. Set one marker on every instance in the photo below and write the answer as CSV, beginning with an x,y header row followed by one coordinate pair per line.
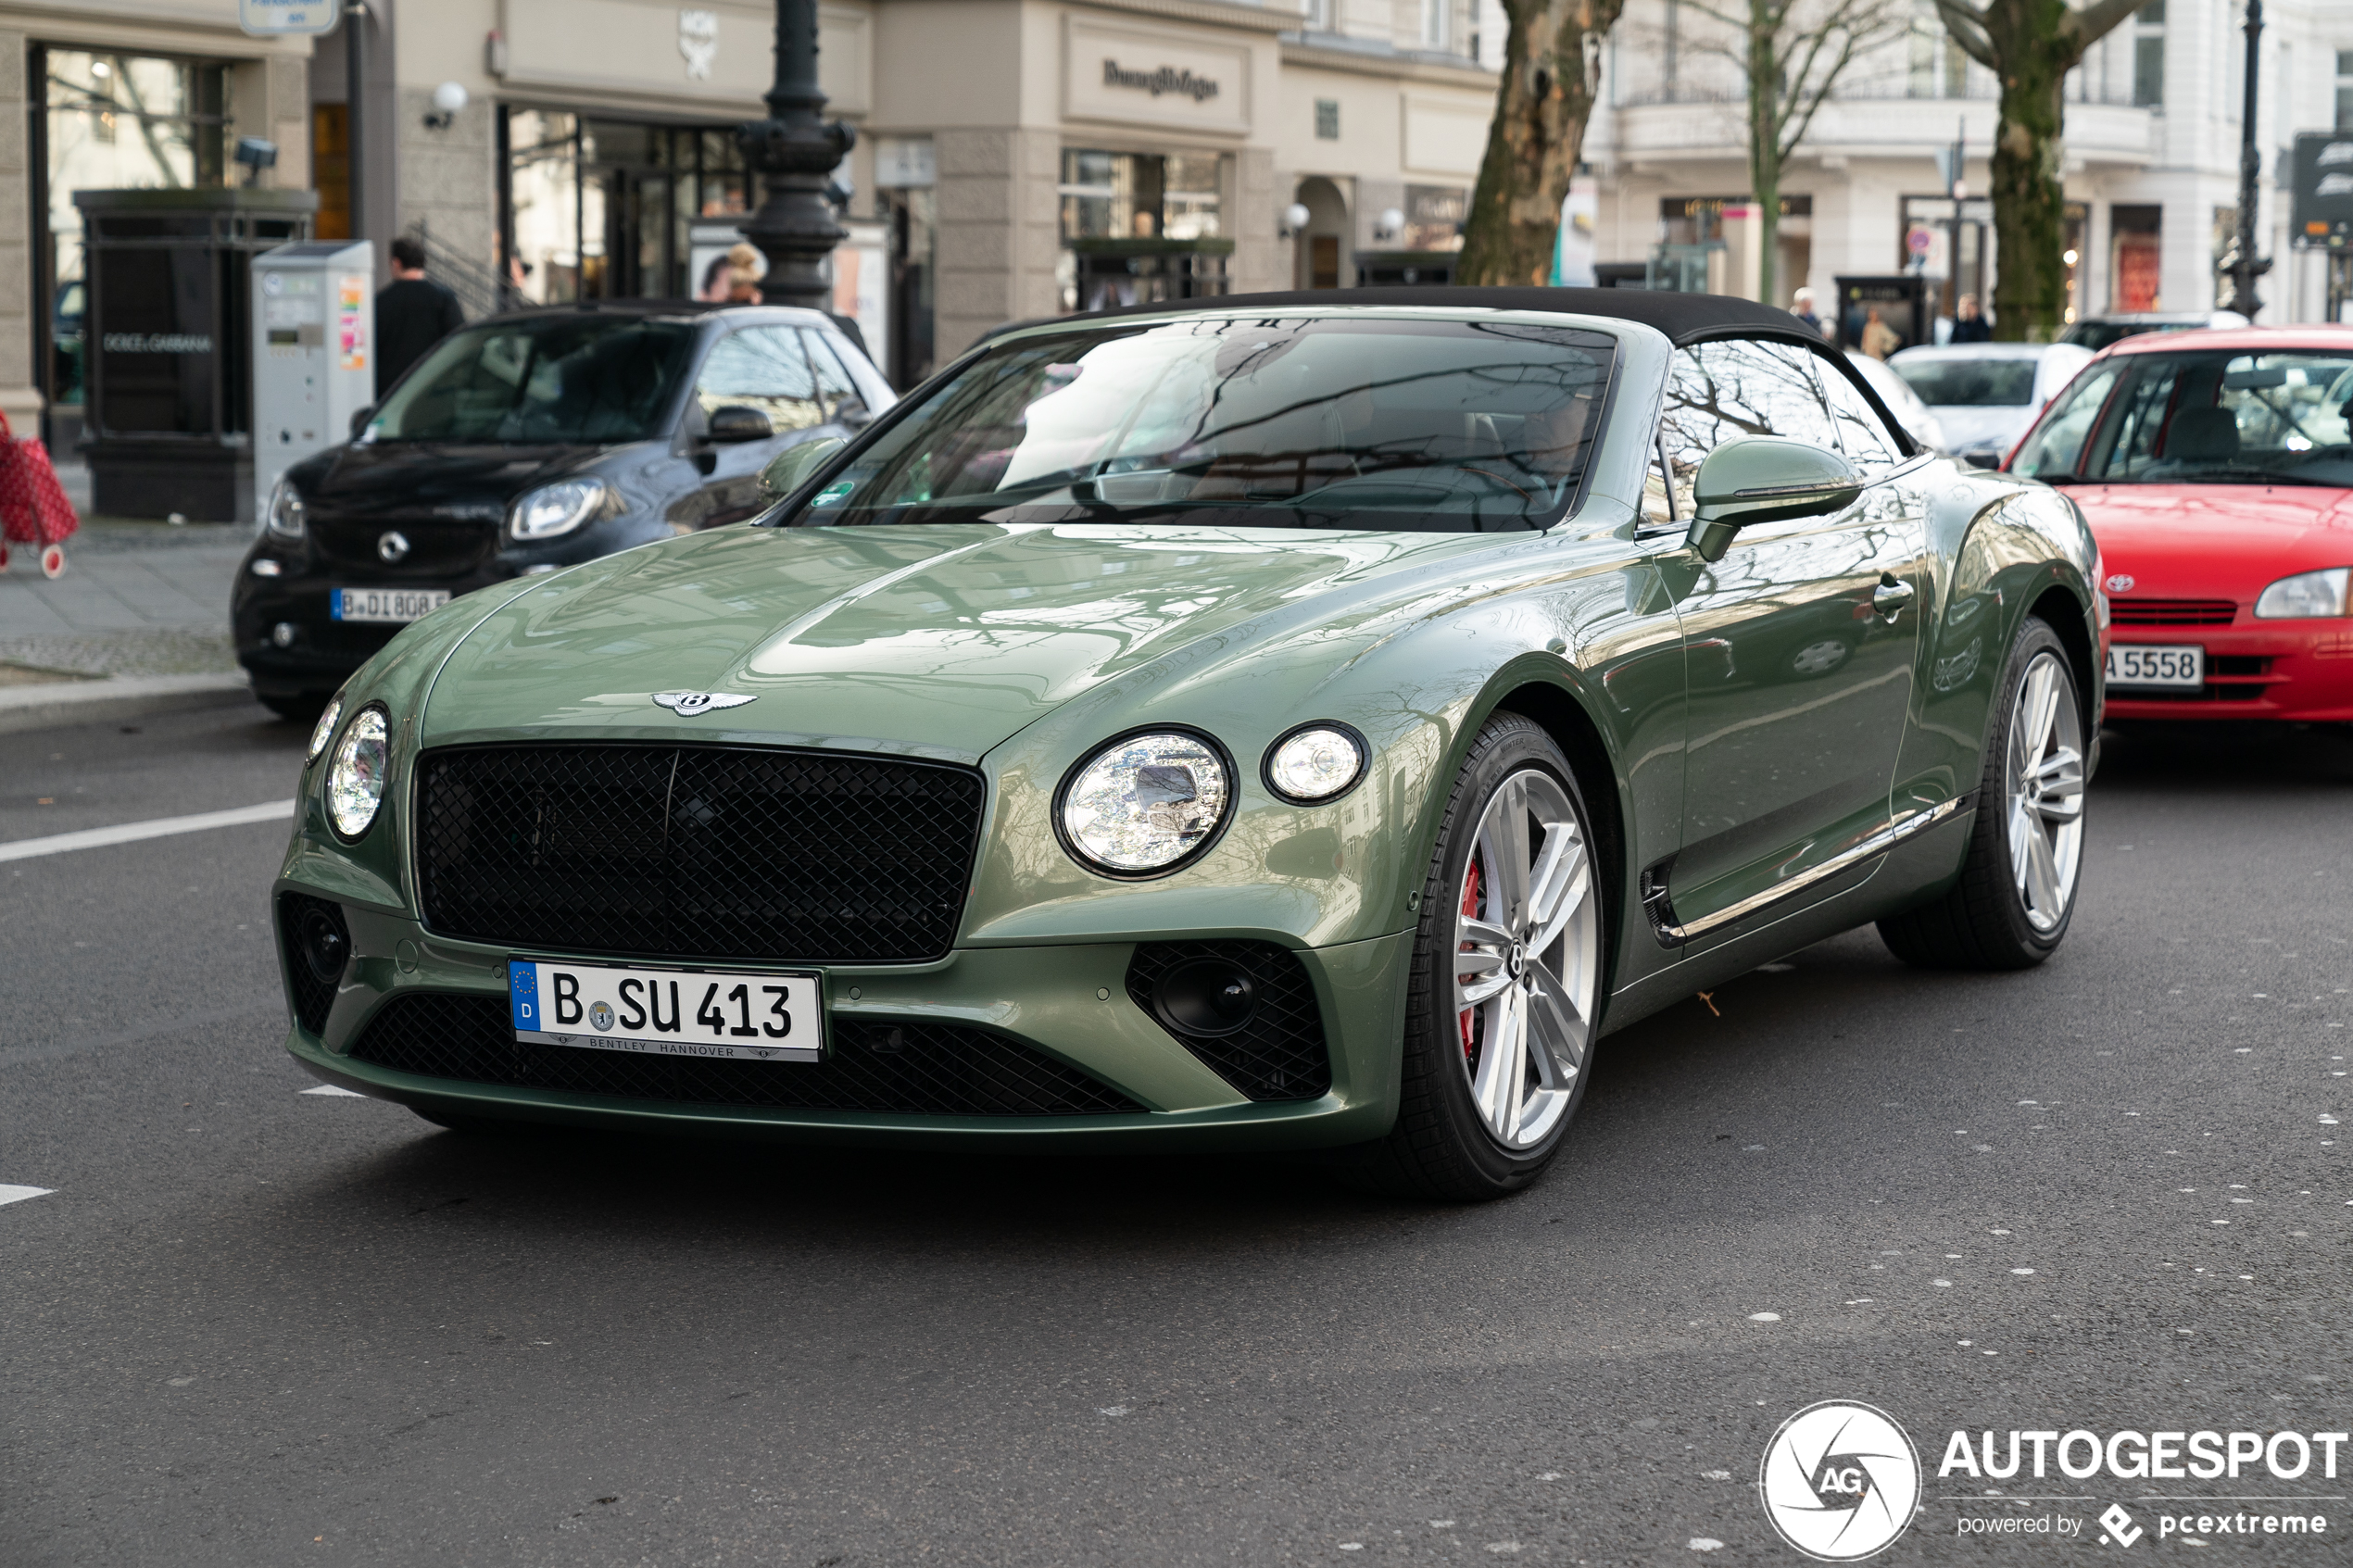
x,y
797,149
2244,266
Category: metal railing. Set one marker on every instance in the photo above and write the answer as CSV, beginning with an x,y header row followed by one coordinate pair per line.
x,y
480,290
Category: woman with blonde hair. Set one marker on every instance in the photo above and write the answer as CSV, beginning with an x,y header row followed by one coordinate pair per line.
x,y
745,266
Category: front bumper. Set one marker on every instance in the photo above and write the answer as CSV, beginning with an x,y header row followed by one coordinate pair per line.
x,y
324,651
2290,670
1069,1003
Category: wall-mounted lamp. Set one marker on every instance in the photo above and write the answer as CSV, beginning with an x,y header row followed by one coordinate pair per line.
x,y
447,99
1389,224
257,154
1295,218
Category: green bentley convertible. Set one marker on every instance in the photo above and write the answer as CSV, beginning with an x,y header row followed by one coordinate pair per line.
x,y
1289,721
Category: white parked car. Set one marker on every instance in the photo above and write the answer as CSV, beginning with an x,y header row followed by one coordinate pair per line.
x,y
1918,421
1985,394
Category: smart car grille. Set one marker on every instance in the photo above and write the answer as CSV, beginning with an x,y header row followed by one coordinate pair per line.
x,y
914,1068
1280,1054
312,997
2172,612
697,851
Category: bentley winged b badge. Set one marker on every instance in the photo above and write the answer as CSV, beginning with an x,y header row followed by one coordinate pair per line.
x,y
687,704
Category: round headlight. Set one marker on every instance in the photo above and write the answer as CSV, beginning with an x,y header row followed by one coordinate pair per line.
x,y
1146,802
325,731
1314,762
553,510
355,783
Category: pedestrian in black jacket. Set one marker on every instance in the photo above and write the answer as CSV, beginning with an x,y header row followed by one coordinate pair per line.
x,y
1970,326
412,314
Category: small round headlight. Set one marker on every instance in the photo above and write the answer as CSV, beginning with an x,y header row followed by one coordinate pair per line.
x,y
325,731
355,783
1314,762
1146,802
553,510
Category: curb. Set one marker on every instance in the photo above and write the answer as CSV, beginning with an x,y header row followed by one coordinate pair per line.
x,y
97,702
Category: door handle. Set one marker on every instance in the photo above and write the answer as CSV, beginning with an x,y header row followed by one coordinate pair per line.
x,y
1890,598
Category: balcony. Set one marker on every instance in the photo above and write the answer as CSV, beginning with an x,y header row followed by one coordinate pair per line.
x,y
1691,124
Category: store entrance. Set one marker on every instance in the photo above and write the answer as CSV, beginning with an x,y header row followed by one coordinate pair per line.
x,y
614,209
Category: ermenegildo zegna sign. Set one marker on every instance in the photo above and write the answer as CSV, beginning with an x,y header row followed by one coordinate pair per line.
x,y
1167,79
1129,74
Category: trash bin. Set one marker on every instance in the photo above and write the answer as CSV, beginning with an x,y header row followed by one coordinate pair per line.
x,y
167,396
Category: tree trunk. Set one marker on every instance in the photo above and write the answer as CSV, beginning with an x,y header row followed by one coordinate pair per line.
x,y
1542,103
1764,146
2029,204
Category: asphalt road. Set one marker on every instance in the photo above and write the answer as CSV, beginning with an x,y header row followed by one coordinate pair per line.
x,y
250,1326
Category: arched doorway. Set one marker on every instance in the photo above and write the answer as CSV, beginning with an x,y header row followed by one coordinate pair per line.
x,y
1321,256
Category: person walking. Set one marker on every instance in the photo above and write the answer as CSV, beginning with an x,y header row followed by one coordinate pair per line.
x,y
412,314
1968,325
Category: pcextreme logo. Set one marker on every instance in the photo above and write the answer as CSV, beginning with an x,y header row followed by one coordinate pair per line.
x,y
1840,1481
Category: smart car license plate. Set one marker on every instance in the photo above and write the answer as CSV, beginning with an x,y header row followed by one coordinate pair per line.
x,y
395,605
730,1016
2142,664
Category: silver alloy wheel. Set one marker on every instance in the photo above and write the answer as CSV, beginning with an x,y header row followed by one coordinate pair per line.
x,y
2045,804
1527,936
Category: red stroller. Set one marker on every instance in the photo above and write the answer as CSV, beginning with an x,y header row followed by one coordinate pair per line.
x,y
33,508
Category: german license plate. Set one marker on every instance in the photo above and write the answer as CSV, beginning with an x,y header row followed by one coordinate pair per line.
x,y
392,606
729,1017
2144,664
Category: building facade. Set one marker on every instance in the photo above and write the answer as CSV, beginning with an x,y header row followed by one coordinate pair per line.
x,y
2150,171
1015,159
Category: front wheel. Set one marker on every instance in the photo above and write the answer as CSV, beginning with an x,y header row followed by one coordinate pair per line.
x,y
2016,895
1507,977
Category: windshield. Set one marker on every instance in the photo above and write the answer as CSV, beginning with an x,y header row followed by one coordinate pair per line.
x,y
1271,421
2216,416
591,379
1969,383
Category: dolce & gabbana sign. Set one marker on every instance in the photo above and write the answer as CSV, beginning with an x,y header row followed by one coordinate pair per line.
x,y
1135,75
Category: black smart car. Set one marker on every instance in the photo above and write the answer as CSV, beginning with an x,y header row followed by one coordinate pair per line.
x,y
524,443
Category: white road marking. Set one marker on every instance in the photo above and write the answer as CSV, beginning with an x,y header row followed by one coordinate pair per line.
x,y
18,1195
331,1089
159,827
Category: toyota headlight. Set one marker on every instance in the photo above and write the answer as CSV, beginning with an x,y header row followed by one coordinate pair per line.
x,y
1147,802
355,783
553,510
1314,762
325,731
2305,595
283,517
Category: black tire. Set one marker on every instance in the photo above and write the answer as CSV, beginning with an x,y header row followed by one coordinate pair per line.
x,y
1440,1146
1980,923
302,707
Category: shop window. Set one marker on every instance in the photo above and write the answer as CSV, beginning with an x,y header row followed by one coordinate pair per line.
x,y
1138,227
605,208
112,120
2136,243
1434,217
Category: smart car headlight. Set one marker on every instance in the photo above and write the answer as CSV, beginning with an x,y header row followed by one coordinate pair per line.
x,y
355,783
1314,762
2305,596
553,510
325,731
284,516
1147,802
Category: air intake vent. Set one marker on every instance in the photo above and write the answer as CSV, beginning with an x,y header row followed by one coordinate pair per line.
x,y
317,943
1244,1007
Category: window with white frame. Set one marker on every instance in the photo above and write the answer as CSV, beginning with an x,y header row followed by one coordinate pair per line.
x,y
1438,17
2148,56
2345,89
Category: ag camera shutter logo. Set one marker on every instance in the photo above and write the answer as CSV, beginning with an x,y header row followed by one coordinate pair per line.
x,y
1840,1481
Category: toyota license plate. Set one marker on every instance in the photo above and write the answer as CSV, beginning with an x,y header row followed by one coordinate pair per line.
x,y
2144,664
730,1016
384,606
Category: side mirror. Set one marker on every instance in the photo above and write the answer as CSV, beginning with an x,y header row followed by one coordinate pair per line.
x,y
1765,479
736,422
359,418
789,469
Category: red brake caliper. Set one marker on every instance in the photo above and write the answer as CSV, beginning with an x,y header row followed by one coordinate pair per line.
x,y
1470,907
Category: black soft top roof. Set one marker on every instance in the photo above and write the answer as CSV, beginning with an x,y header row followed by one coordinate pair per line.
x,y
1681,316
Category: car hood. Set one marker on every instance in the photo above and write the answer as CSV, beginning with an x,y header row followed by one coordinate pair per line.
x,y
2209,540
1972,427
405,476
937,641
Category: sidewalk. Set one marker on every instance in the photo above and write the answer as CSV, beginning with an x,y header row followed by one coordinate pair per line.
x,y
141,616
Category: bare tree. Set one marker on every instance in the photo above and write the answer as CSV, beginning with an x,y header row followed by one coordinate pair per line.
x,y
1552,69
1790,54
2030,45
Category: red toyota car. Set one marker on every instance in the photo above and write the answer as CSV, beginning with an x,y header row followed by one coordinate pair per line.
x,y
2217,471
